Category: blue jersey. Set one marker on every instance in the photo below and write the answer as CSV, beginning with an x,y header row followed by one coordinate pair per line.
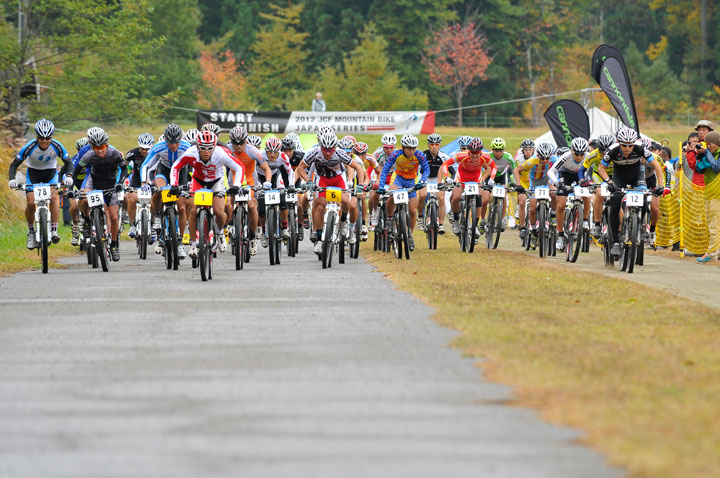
x,y
406,167
42,159
161,154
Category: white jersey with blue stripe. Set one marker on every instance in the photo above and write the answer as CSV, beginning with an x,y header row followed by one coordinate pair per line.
x,y
161,154
42,158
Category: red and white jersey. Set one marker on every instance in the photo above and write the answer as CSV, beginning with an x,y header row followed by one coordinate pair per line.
x,y
213,170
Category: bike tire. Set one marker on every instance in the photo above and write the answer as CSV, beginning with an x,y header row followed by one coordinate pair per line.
x,y
100,241
408,231
327,246
44,240
203,228
490,233
577,231
464,220
541,232
173,237
342,240
634,241
431,229
498,222
145,232
238,240
473,224
270,231
291,241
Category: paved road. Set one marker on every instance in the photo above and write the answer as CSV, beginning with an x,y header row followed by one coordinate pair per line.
x,y
271,371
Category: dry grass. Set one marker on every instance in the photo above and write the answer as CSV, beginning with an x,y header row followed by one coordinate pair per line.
x,y
633,366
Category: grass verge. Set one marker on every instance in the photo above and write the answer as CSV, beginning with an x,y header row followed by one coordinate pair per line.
x,y
16,257
634,367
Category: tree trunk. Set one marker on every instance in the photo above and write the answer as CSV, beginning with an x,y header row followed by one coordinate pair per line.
x,y
459,96
703,37
531,79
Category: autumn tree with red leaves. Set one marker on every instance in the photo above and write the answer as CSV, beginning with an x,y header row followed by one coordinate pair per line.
x,y
455,57
223,83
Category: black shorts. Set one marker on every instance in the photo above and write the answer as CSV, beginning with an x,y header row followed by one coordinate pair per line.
x,y
135,179
651,181
568,178
41,176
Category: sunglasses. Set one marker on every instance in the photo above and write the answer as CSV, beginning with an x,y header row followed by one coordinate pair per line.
x,y
102,147
328,150
625,145
206,148
172,142
238,143
40,138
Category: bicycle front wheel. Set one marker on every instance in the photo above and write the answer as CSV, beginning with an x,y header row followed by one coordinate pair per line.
x,y
204,252
542,231
270,220
634,240
44,240
472,227
431,229
238,239
98,220
576,225
491,231
328,245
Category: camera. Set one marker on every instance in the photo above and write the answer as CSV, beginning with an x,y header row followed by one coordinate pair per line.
x,y
701,145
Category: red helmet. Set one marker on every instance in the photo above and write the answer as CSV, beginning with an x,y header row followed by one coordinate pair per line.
x,y
206,138
351,138
475,145
273,145
360,148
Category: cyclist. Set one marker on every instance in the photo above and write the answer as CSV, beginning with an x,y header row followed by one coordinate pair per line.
x,y
289,149
505,165
372,171
436,158
215,129
589,170
41,155
250,158
136,157
538,167
191,135
527,151
566,171
255,140
474,166
103,161
626,157
282,176
208,163
160,159
407,162
347,144
73,202
328,161
381,154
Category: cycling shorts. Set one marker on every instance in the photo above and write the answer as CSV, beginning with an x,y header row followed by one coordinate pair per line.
x,y
568,178
215,186
334,182
40,176
111,198
407,183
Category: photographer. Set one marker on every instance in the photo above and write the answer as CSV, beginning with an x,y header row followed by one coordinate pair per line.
x,y
708,163
693,150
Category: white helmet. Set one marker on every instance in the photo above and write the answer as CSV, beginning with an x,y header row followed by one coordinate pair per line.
x,y
324,130
97,136
545,150
389,139
328,139
409,141
146,140
44,129
191,135
255,140
626,135
579,145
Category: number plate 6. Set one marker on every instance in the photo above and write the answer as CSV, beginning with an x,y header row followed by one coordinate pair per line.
x,y
333,194
499,191
471,189
95,198
41,192
400,196
542,192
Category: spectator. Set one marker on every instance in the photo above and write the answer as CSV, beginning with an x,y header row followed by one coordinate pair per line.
x,y
318,104
709,164
692,151
703,127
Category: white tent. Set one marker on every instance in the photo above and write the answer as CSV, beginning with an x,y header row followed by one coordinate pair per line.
x,y
600,123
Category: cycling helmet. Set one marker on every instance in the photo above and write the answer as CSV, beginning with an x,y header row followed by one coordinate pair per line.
x,y
463,141
346,144
293,136
604,141
288,143
255,140
579,145
562,150
409,141
498,143
173,133
389,139
146,140
211,127
97,136
206,138
191,135
273,145
627,135
324,131
545,150
81,142
351,138
328,139
44,129
475,145
360,147
646,142
527,143
238,135
161,139
434,139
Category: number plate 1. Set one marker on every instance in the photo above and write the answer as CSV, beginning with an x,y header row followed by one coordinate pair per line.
x,y
432,188
203,197
499,191
95,198
634,199
542,192
41,192
272,197
471,189
400,196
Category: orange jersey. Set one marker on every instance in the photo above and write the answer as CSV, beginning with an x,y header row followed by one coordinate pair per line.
x,y
470,164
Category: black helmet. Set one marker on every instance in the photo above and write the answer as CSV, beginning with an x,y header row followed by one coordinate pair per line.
x,y
173,133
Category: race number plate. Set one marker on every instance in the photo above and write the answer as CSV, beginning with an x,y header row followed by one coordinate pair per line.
x,y
272,197
166,196
400,196
333,194
41,192
471,189
499,191
121,196
95,198
542,192
203,197
581,192
634,199
243,196
291,197
144,194
604,192
431,188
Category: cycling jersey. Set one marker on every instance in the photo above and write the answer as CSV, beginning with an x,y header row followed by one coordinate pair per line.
x,y
327,168
406,167
40,158
207,175
537,171
249,158
295,159
468,164
614,156
435,162
593,159
279,167
505,165
103,171
524,173
567,168
161,154
135,159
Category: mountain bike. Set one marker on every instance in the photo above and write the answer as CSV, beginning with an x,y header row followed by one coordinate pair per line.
x,y
381,231
332,237
400,225
432,213
239,238
142,219
574,222
207,230
354,249
42,193
494,224
99,234
292,243
170,236
468,216
272,222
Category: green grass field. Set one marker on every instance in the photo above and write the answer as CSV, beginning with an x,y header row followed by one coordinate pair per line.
x,y
16,257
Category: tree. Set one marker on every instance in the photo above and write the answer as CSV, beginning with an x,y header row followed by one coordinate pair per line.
x,y
455,58
278,69
366,82
223,83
